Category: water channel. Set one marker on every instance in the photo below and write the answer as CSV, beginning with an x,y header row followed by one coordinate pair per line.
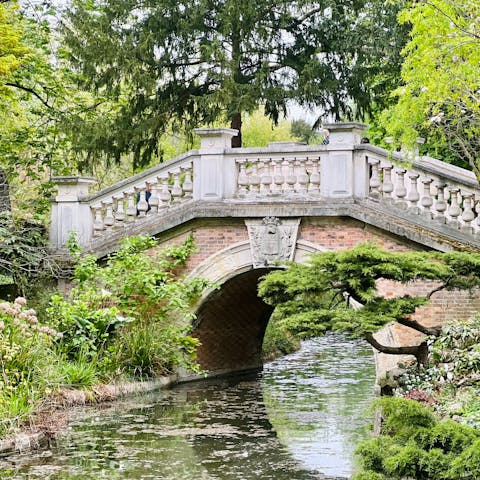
x,y
299,419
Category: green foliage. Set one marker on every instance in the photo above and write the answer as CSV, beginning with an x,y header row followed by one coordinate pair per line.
x,y
258,130
131,313
278,340
12,51
413,443
314,297
217,60
23,252
441,76
79,373
450,380
145,350
304,132
26,361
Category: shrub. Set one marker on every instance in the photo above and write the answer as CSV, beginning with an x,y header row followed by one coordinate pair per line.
x,y
132,313
26,361
414,444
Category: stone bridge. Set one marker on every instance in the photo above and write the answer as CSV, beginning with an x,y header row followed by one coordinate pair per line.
x,y
248,208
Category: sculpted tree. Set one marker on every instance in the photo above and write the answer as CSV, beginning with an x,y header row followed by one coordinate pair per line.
x,y
440,95
316,297
173,64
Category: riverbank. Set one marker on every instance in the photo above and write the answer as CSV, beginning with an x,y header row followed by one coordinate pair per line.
x,y
52,417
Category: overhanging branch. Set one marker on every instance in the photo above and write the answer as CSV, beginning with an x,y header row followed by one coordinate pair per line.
x,y
407,350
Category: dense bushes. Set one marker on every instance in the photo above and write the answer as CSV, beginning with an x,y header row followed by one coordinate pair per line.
x,y
414,444
27,361
132,314
126,318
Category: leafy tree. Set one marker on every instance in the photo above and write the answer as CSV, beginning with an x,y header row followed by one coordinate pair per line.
x,y
304,131
258,130
182,64
12,50
439,98
315,297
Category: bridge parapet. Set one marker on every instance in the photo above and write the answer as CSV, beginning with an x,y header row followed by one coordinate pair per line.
x,y
426,187
344,170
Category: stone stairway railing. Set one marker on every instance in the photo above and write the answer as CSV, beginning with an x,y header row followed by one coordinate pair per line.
x,y
283,172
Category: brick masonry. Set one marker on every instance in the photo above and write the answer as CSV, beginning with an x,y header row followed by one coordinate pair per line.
x,y
231,321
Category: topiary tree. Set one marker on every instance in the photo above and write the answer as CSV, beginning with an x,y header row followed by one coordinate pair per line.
x,y
316,297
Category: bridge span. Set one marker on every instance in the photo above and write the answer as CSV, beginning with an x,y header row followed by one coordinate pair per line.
x,y
248,208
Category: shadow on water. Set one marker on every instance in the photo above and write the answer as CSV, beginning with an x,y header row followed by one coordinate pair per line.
x,y
297,420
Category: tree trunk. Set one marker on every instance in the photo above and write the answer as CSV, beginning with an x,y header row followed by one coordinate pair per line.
x,y
237,125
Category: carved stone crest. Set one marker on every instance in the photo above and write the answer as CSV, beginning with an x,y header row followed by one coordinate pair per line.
x,y
272,239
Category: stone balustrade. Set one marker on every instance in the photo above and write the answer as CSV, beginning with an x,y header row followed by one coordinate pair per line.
x,y
345,170
117,207
428,188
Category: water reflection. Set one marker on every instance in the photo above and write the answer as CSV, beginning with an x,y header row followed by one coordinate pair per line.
x,y
299,419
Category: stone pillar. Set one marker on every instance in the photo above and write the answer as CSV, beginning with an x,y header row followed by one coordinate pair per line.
x,y
214,174
69,214
344,174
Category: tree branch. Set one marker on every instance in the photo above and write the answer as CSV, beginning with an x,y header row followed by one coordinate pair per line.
x,y
30,90
435,331
307,15
408,350
466,32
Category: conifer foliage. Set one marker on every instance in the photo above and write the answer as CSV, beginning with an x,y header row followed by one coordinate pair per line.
x,y
200,61
316,297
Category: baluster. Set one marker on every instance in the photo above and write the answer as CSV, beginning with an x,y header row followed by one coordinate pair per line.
x,y
440,204
254,179
467,216
164,194
427,201
266,177
119,210
154,201
187,182
374,178
131,208
109,219
314,186
278,178
413,195
387,185
476,223
177,191
290,178
242,179
142,205
302,176
98,225
400,191
454,211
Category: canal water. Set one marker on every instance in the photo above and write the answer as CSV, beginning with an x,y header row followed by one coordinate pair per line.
x,y
299,419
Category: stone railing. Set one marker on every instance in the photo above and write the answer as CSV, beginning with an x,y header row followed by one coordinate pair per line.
x,y
428,188
284,172
121,205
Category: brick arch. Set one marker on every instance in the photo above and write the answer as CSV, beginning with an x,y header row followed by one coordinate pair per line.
x,y
231,321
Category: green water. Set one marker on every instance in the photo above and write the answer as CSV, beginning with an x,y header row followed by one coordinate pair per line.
x,y
297,420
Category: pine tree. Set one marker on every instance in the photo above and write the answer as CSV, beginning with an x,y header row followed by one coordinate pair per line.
x,y
317,297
